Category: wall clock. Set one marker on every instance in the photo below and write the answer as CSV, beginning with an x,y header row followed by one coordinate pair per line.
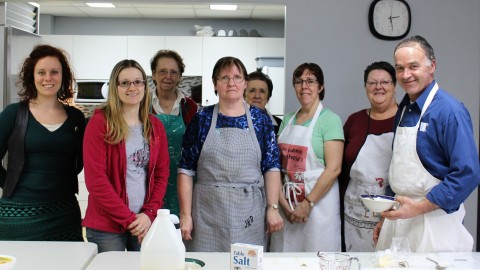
x,y
389,19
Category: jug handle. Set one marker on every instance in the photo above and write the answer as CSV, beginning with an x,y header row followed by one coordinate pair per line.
x,y
354,259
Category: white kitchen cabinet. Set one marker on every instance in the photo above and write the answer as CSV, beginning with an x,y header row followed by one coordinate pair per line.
x,y
270,47
95,56
64,42
214,48
190,49
143,48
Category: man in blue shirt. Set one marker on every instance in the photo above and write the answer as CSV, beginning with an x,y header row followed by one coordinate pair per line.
x,y
435,163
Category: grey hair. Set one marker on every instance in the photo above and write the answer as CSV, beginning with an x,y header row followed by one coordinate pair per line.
x,y
422,42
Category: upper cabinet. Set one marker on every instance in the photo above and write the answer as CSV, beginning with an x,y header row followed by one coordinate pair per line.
x,y
246,49
270,47
143,48
95,56
190,49
214,48
91,57
64,42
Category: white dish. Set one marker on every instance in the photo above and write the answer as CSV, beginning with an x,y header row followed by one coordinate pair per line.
x,y
191,264
378,203
7,262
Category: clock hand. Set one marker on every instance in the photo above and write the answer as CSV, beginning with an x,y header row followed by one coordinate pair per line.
x,y
390,18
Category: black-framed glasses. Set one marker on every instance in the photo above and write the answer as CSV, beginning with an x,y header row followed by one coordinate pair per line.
x,y
309,82
127,83
382,83
226,79
173,73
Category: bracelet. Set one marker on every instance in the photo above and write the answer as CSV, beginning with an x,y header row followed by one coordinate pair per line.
x,y
311,203
274,206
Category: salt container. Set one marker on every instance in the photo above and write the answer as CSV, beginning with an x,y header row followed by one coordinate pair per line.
x,y
162,248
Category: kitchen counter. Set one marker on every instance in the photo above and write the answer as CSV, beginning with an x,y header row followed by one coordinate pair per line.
x,y
285,261
46,255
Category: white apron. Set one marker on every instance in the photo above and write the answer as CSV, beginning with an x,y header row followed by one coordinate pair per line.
x,y
368,175
322,231
435,231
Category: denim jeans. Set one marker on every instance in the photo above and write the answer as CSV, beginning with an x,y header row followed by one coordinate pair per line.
x,y
107,241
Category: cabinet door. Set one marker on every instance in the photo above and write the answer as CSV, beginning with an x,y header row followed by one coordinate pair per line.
x,y
214,48
270,47
273,47
64,42
95,56
143,48
190,49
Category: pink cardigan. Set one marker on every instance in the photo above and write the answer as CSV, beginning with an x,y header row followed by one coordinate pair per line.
x,y
105,172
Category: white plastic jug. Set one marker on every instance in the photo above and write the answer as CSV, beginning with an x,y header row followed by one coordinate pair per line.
x,y
176,223
162,248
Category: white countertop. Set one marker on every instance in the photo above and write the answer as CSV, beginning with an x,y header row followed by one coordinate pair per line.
x,y
46,255
284,261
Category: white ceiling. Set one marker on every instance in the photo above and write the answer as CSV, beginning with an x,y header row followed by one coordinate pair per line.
x,y
161,10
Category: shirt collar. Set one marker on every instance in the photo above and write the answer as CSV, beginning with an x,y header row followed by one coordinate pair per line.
x,y
420,101
176,105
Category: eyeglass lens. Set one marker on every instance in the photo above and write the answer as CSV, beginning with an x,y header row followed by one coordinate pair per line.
x,y
164,72
136,83
309,82
382,83
226,79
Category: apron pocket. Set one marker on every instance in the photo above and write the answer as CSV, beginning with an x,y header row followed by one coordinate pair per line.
x,y
232,208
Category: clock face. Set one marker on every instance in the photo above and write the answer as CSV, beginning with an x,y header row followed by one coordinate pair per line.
x,y
389,19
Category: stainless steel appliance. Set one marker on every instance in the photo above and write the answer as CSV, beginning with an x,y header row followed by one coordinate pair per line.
x,y
15,46
91,91
18,35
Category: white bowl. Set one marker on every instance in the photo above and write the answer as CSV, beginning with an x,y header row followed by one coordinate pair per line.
x,y
378,203
192,264
7,262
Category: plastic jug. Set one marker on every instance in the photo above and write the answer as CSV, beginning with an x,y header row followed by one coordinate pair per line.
x,y
162,248
176,223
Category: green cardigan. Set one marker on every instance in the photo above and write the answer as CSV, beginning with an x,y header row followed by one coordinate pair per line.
x,y
15,120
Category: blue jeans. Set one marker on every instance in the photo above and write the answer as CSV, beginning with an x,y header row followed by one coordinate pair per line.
x,y
107,241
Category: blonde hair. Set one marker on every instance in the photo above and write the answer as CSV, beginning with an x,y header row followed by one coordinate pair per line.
x,y
117,127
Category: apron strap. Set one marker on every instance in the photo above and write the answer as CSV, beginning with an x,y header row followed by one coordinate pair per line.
x,y
289,189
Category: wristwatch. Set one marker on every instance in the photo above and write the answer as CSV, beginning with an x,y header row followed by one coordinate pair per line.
x,y
311,203
274,206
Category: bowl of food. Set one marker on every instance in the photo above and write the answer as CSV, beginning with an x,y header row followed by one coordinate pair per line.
x,y
7,262
378,203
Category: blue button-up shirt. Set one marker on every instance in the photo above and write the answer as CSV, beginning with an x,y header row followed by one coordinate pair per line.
x,y
446,147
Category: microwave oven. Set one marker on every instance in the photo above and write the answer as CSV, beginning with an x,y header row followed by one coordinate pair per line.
x,y
91,91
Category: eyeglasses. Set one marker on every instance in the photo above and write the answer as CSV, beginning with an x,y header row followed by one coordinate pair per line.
x,y
226,79
375,84
309,82
136,83
165,72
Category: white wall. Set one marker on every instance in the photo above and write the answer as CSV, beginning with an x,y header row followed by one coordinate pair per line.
x,y
335,34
